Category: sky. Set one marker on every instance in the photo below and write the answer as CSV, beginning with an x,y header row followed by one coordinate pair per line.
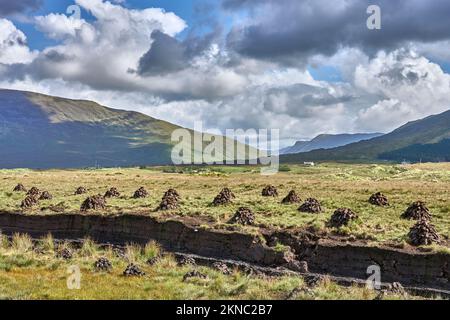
x,y
302,66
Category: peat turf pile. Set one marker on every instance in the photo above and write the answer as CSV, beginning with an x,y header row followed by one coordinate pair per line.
x,y
80,190
292,197
311,205
379,199
97,202
133,270
112,193
224,197
33,192
169,201
65,254
423,233
269,191
222,268
342,217
20,188
29,202
194,274
103,264
417,211
45,195
140,193
243,216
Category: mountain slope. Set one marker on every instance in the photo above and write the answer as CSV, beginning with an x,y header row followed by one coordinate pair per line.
x,y
430,130
39,131
328,141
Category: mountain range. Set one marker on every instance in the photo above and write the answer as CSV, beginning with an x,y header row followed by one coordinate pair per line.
x,y
425,139
328,141
41,131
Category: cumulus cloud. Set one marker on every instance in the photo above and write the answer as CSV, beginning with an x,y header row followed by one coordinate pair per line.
x,y
291,31
13,45
412,87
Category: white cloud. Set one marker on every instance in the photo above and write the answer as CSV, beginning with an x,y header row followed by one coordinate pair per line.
x,y
13,47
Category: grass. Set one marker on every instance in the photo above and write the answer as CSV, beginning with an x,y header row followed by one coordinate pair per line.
x,y
335,185
31,275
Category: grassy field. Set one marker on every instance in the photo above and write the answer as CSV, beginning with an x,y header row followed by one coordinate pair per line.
x,y
32,271
335,185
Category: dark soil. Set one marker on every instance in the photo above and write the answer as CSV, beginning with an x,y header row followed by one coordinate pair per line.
x,y
224,197
45,195
342,217
269,191
417,211
379,199
140,193
33,192
133,270
97,202
112,193
60,207
292,197
103,264
194,274
243,216
80,190
423,233
311,205
20,188
29,202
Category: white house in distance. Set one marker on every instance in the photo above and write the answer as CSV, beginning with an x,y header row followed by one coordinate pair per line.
x,y
308,163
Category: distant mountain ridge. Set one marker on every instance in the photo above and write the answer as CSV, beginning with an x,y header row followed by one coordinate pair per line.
x,y
328,141
397,145
41,131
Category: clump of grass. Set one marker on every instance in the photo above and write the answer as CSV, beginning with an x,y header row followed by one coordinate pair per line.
x,y
151,250
47,243
89,248
21,243
4,241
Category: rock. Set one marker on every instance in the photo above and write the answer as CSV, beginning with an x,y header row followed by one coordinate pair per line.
x,y
194,274
222,268
270,191
311,205
169,201
140,193
292,197
133,270
224,197
29,202
94,203
33,192
45,195
243,216
313,280
20,188
186,261
379,199
103,264
417,211
342,217
112,193
65,254
80,190
423,233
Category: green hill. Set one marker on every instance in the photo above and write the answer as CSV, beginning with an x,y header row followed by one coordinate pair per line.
x,y
431,130
40,131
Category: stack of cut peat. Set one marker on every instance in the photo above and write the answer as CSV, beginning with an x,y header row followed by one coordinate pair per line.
x,y
417,211
423,232
379,199
20,188
97,202
140,193
311,205
342,217
270,191
170,201
292,197
224,197
243,216
112,193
